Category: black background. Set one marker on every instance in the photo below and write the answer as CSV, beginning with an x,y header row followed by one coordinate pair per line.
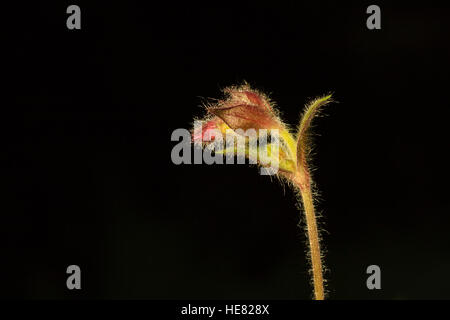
x,y
88,177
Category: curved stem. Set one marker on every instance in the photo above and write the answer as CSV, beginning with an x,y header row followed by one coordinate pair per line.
x,y
302,180
313,236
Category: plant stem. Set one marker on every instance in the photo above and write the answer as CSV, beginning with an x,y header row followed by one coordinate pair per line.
x,y
302,179
313,235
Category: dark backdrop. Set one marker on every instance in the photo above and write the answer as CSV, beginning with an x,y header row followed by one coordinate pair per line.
x,y
88,178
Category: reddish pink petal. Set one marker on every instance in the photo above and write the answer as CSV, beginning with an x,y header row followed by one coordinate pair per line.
x,y
207,132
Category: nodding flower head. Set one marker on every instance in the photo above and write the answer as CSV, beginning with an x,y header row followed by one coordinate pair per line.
x,y
244,108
